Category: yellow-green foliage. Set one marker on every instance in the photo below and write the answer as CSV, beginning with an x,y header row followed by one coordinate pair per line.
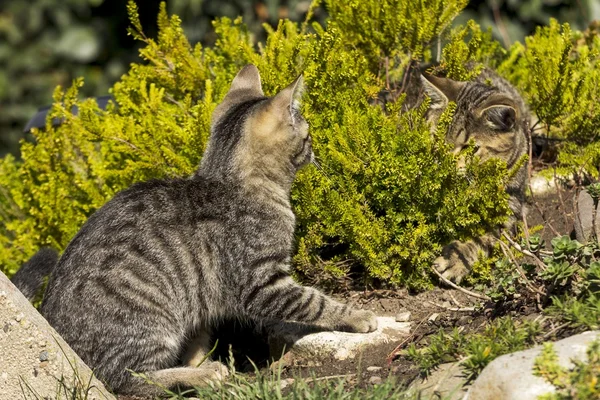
x,y
581,382
557,71
389,195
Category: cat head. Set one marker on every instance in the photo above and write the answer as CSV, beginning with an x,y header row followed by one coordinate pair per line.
x,y
258,137
492,118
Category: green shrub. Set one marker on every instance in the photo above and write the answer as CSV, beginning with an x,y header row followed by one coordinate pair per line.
x,y
557,71
389,194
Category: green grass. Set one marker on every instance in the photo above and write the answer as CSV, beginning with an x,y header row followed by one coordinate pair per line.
x,y
268,387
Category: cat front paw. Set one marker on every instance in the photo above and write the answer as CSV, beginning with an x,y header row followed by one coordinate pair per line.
x,y
456,260
451,268
359,321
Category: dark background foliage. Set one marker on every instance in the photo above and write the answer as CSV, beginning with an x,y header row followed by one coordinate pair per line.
x,y
45,43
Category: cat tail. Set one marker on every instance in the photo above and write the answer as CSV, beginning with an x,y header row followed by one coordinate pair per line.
x,y
30,278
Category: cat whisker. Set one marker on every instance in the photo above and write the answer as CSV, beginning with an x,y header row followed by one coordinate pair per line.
x,y
321,169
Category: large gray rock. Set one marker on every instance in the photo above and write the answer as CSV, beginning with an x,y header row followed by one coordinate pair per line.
x,y
510,377
33,357
584,216
339,345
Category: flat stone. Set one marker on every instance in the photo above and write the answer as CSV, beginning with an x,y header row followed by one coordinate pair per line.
x,y
375,380
445,382
34,356
433,317
541,185
403,316
511,376
374,368
286,382
302,342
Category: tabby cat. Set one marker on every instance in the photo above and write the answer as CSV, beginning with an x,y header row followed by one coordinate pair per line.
x,y
491,113
30,278
148,276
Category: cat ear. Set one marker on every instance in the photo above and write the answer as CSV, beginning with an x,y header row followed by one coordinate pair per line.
x,y
245,86
500,117
440,90
248,79
288,99
499,112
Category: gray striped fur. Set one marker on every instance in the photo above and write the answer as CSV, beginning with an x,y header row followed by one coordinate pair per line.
x,y
29,279
149,274
490,112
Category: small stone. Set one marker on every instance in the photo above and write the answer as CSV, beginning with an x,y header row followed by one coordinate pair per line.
x,y
42,343
285,383
375,380
44,356
19,317
433,317
44,364
374,368
6,327
447,304
403,316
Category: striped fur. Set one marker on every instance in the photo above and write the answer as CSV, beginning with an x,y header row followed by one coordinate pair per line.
x,y
491,113
149,274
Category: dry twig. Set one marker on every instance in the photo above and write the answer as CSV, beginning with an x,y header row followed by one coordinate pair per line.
x,y
526,252
554,330
508,254
529,175
455,286
394,352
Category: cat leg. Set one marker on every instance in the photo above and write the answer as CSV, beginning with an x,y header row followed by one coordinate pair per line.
x,y
188,377
176,379
278,298
197,349
457,258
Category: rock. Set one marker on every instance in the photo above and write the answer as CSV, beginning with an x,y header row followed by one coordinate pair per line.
x,y
433,317
286,382
374,368
375,380
304,343
445,382
511,376
541,185
583,218
403,316
33,355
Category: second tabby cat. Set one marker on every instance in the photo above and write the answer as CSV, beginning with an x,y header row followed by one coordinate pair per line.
x,y
144,281
491,113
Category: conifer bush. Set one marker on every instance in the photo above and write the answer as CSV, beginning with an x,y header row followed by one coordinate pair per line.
x,y
388,195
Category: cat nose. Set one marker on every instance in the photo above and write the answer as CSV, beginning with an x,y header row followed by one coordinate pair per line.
x,y
461,165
